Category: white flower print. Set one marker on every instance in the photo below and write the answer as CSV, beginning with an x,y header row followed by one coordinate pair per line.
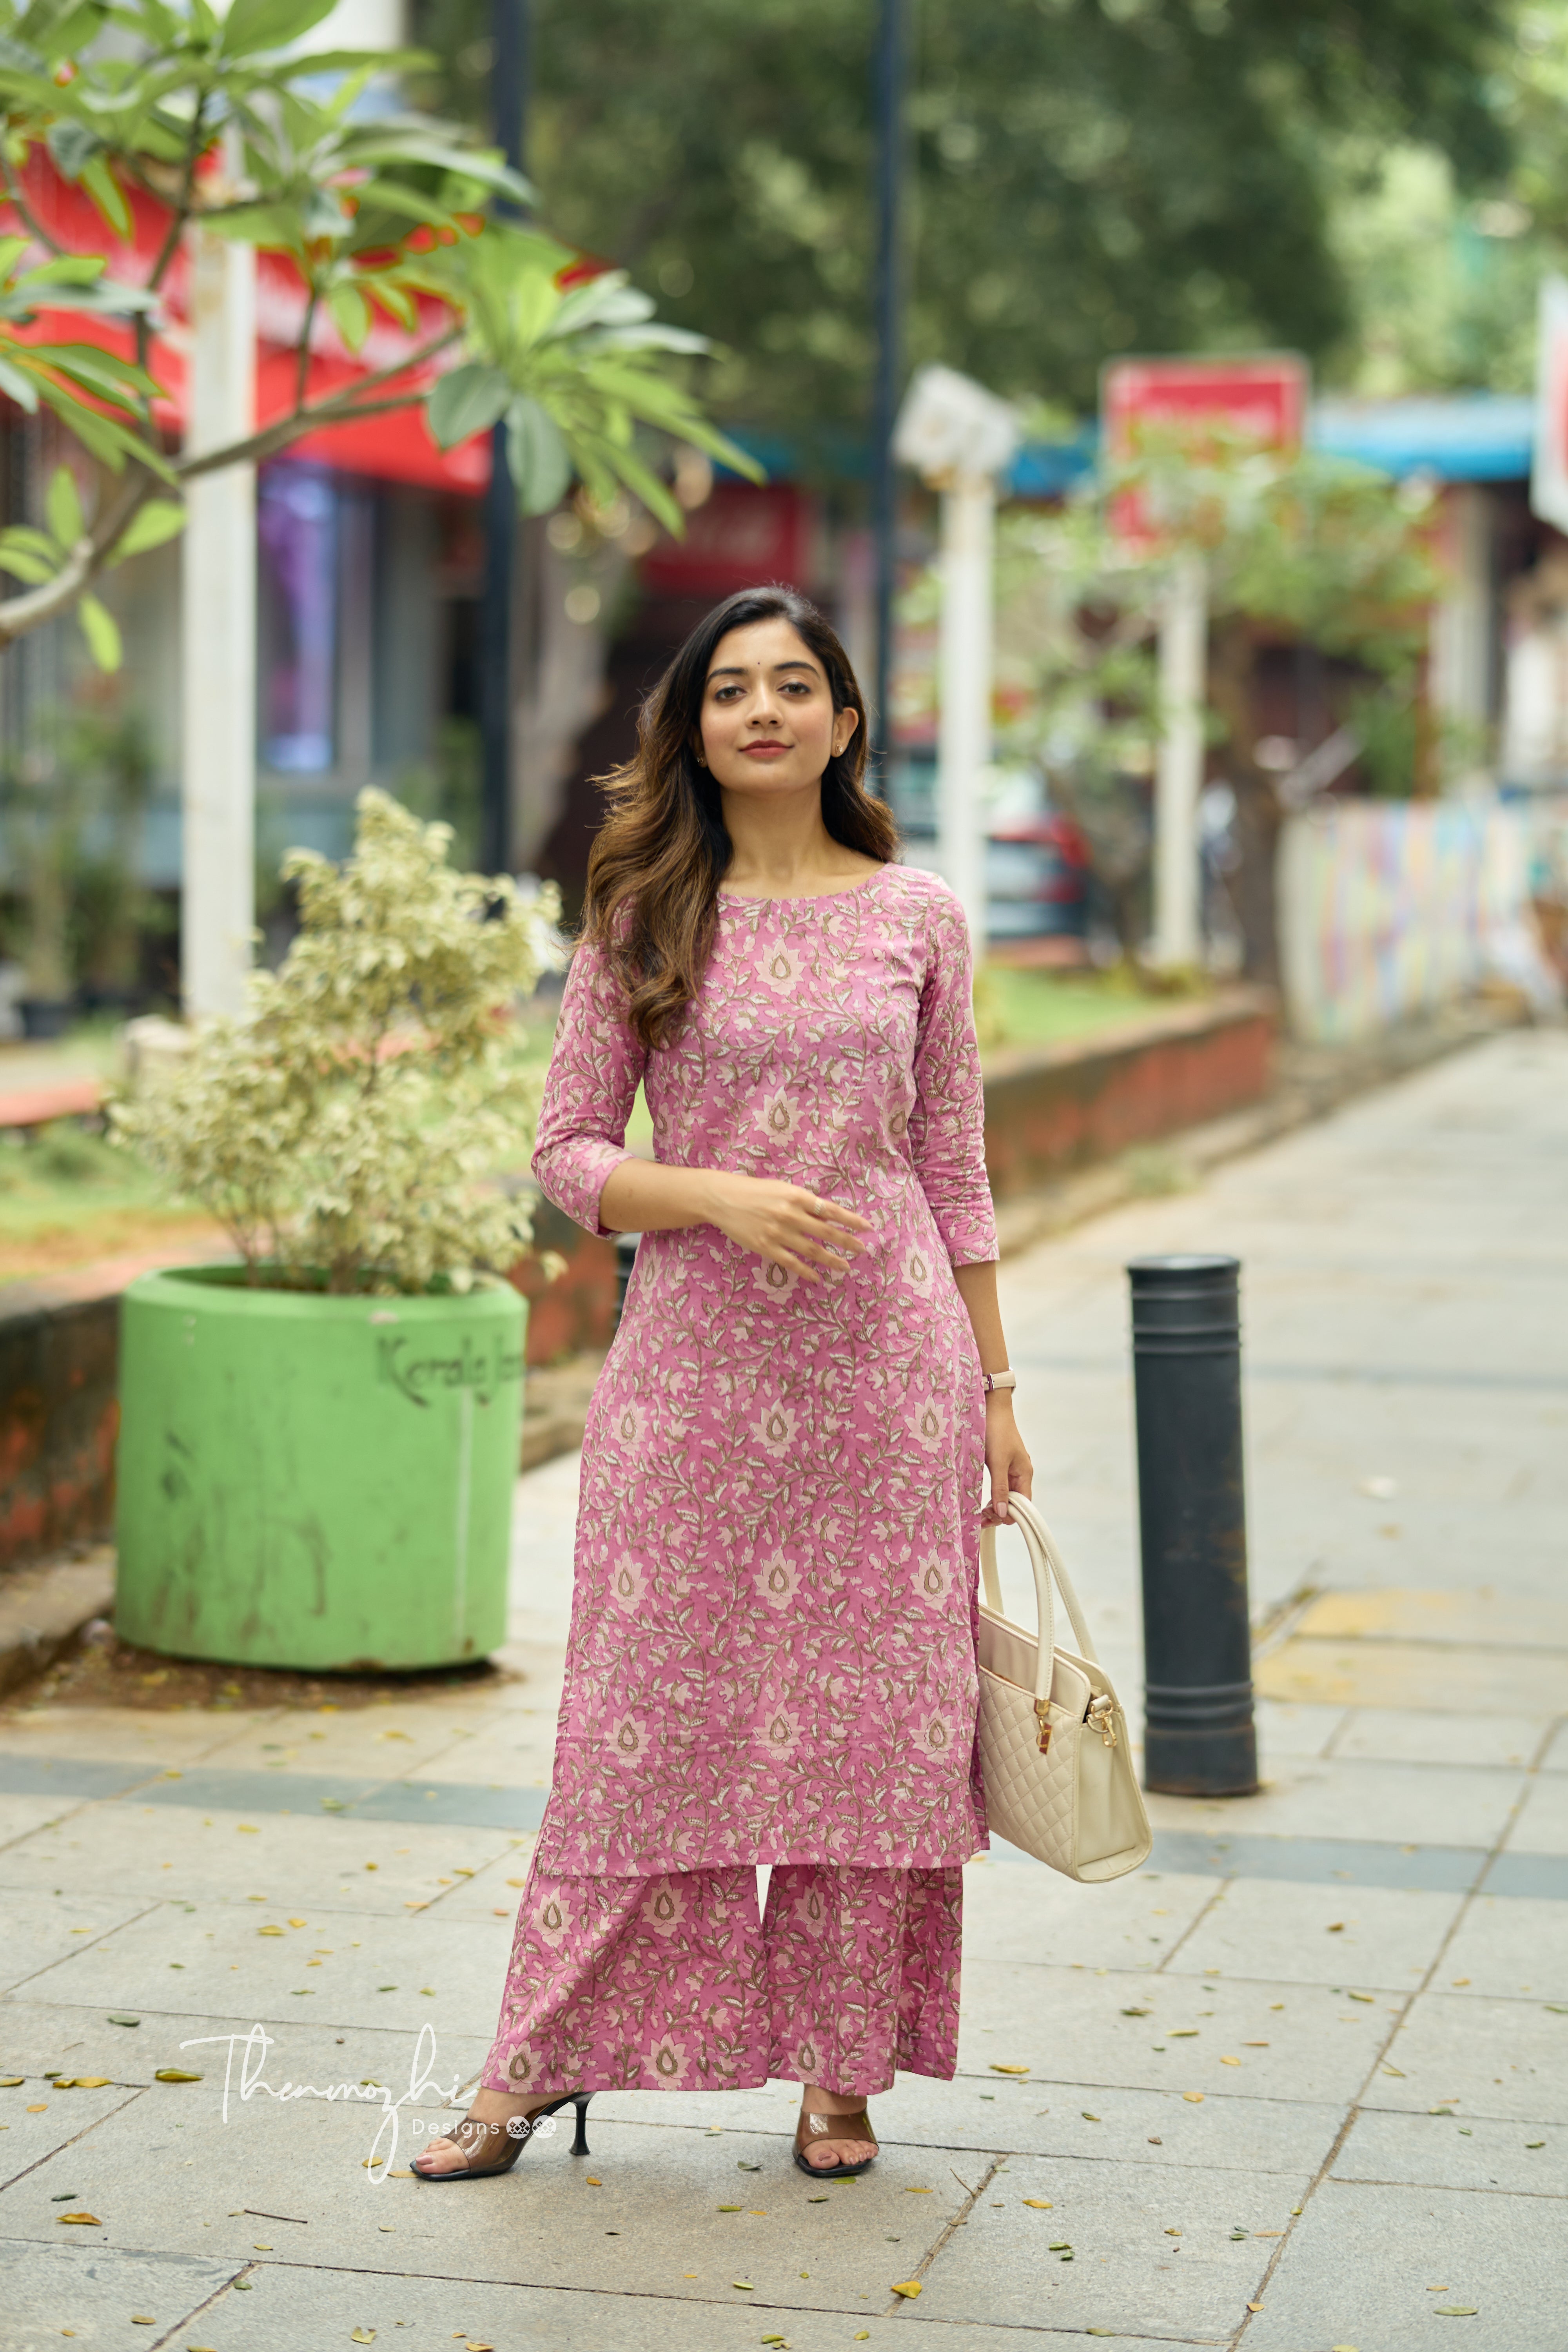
x,y
778,1116
665,1907
777,1281
552,1922
917,1267
896,1119
628,1582
929,1423
780,1732
522,2066
934,1736
811,1912
781,967
628,1742
776,1428
778,1580
629,1423
668,2063
933,1581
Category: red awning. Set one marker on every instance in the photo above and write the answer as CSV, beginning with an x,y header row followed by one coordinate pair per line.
x,y
396,445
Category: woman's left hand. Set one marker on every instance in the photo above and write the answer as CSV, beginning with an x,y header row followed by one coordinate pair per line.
x,y
1006,1458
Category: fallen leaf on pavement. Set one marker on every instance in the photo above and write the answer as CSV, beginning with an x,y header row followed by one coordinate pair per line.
x,y
746,2283
910,2287
920,2192
142,2319
85,2083
1535,2143
1193,2098
1041,2204
269,1931
1336,1927
995,2069
12,2081
1367,1995
42,2109
90,2220
741,2209
363,2336
1087,2116
594,2182
1230,2061
175,2074
1454,2310
1255,2307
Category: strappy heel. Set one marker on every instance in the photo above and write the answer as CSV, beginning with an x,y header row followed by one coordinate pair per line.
x,y
497,2147
817,2127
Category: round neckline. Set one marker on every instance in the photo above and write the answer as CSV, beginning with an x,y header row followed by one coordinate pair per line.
x,y
804,898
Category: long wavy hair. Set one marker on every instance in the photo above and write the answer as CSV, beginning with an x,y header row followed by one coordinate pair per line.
x,y
655,866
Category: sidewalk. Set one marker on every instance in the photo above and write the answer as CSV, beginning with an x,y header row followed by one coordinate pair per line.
x,y
1300,2086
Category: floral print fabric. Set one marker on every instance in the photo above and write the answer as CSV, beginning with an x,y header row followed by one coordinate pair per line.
x,y
671,1983
775,1614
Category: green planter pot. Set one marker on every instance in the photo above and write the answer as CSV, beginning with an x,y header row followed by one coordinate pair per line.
x,y
316,1482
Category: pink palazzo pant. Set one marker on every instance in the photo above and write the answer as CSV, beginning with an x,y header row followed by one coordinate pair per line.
x,y
673,1983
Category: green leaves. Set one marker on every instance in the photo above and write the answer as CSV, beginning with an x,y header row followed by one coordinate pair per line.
x,y
537,456
468,399
152,524
254,25
101,630
62,505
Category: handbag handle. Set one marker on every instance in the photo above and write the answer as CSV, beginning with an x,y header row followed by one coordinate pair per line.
x,y
1047,1562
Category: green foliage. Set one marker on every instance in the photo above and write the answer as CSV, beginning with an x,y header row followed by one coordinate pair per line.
x,y
380,209
1086,176
348,1128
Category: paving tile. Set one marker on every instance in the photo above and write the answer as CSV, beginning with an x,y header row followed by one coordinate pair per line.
x,y
123,1735
1030,1913
1449,2152
202,1949
1126,2272
37,2121
1542,1823
158,1852
1372,1936
1362,2266
1069,2026
1447,1805
46,2290
1285,1730
1400,1736
1510,1947
42,1930
19,1816
1556,1757
1507,2059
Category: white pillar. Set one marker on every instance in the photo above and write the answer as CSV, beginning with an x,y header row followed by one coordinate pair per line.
x,y
963,742
1179,775
217,902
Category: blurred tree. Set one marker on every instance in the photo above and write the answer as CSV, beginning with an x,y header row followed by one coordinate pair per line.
x,y
1309,549
1088,175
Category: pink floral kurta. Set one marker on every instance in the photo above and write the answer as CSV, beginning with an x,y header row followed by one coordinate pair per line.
x,y
773,1621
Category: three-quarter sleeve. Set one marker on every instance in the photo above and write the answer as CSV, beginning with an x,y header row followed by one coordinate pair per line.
x,y
947,1124
595,1071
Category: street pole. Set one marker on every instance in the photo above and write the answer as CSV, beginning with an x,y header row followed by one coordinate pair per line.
x,y
510,21
1179,774
887,93
218,639
963,740
1198,1738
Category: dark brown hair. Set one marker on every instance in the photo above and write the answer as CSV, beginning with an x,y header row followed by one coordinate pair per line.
x,y
654,868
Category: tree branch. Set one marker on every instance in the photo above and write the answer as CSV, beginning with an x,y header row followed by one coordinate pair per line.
x,y
87,559
342,409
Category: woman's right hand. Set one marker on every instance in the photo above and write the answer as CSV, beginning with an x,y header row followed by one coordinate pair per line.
x,y
796,1229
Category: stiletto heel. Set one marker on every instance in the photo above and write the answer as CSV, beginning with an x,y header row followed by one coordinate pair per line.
x,y
498,2146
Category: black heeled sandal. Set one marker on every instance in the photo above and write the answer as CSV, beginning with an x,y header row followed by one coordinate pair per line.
x,y
811,2127
505,2141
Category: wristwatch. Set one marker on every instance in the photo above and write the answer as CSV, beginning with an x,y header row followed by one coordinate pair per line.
x,y
991,1381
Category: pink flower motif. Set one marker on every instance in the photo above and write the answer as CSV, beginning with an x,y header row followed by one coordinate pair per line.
x,y
628,1740
776,1428
777,1580
777,1281
523,2067
779,1732
916,1268
628,1582
811,1911
781,967
551,1921
629,1425
929,1423
778,1116
668,2063
934,1736
933,1580
665,1907
896,1119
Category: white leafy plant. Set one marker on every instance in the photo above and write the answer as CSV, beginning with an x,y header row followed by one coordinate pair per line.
x,y
348,1130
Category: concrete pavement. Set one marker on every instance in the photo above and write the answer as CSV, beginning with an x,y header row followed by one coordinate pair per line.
x,y
1299,2085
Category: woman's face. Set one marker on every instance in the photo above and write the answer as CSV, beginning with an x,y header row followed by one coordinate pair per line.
x,y
768,721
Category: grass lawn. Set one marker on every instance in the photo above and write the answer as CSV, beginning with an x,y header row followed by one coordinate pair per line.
x,y
1012,1007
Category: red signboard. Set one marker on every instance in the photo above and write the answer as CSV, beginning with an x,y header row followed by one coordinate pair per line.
x,y
1261,398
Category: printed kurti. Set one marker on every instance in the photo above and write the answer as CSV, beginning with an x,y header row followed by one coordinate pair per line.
x,y
774,1615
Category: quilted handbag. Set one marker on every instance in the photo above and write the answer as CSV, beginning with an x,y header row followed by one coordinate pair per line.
x,y
1054,1749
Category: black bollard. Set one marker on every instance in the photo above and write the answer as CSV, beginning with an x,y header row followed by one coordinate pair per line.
x,y
1199,1738
626,1259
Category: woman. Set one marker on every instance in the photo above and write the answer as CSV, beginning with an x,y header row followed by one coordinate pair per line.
x,y
773,1646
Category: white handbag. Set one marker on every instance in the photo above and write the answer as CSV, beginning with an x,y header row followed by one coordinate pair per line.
x,y
1054,1748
